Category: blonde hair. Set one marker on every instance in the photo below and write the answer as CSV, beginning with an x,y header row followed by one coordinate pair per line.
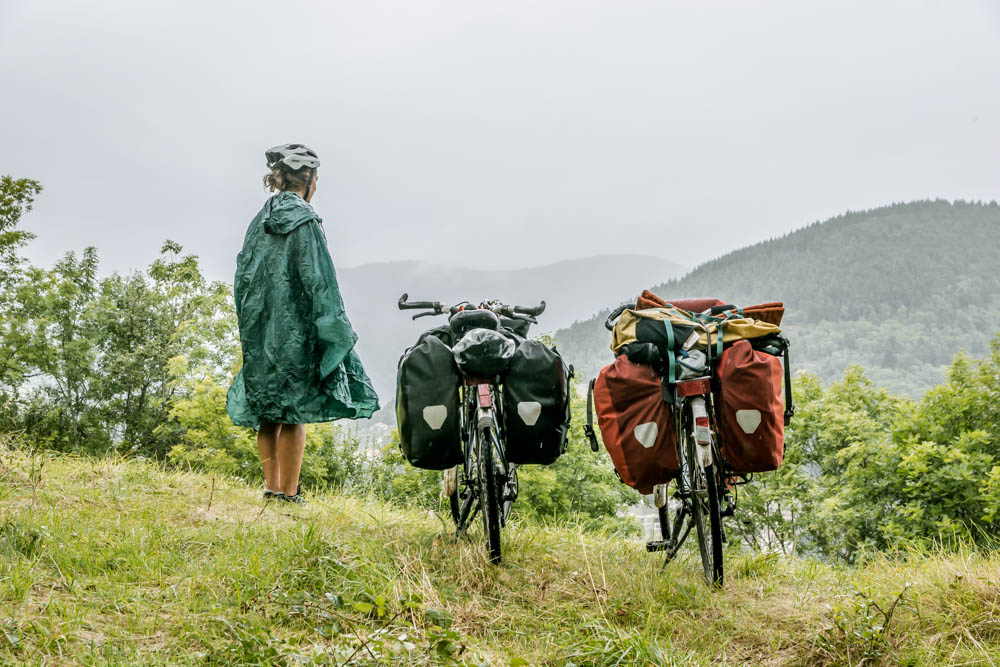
x,y
283,179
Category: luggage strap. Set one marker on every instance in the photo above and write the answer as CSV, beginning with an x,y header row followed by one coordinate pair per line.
x,y
671,358
671,377
789,404
588,428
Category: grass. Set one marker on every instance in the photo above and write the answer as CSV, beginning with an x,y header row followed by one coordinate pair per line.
x,y
123,562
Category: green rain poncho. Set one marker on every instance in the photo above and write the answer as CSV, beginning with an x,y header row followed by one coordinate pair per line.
x,y
299,363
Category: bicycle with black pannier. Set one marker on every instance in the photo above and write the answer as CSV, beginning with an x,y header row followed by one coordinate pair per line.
x,y
501,402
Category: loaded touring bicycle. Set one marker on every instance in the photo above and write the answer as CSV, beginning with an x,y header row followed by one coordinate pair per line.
x,y
694,396
475,398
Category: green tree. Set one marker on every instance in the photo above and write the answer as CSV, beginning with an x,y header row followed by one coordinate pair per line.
x,y
16,198
866,470
55,308
141,322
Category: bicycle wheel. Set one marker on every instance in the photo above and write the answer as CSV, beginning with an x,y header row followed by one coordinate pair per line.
x,y
489,493
707,516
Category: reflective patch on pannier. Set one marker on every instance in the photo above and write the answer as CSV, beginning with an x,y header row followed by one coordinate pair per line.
x,y
748,420
529,411
646,434
435,415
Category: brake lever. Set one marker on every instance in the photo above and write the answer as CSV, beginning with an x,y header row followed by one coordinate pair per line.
x,y
424,315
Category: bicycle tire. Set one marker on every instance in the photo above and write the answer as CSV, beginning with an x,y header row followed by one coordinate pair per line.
x,y
715,524
709,537
490,498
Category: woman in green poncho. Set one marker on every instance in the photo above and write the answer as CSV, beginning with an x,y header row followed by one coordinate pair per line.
x,y
299,363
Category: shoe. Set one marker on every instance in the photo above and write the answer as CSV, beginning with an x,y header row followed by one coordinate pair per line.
x,y
297,498
269,494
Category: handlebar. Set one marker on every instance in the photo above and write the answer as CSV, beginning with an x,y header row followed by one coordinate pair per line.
x,y
526,313
525,310
418,305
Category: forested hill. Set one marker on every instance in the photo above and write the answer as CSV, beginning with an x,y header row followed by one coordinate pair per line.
x,y
897,289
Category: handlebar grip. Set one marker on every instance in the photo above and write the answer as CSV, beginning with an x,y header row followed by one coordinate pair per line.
x,y
525,310
414,305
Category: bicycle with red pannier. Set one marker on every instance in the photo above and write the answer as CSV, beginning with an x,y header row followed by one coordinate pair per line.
x,y
694,396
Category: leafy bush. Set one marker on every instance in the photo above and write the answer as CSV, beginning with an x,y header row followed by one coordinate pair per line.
x,y
866,470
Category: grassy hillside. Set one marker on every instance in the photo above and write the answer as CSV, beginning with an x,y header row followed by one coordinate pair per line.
x,y
115,562
896,289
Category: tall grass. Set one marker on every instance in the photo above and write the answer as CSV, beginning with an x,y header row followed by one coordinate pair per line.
x,y
124,562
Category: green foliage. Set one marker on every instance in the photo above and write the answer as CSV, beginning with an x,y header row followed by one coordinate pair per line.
x,y
860,629
97,350
208,439
866,470
580,485
140,365
392,479
895,289
119,561
16,198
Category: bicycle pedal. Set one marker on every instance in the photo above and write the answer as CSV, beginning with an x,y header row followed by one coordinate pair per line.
x,y
658,545
729,511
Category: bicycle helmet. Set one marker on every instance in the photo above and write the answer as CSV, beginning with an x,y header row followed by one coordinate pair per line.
x,y
293,156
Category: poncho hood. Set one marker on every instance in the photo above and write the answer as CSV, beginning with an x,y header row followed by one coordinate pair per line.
x,y
286,211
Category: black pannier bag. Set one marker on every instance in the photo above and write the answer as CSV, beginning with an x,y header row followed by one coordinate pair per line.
x,y
442,333
536,395
427,406
483,353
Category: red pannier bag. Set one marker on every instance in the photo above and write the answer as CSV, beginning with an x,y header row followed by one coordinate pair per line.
x,y
637,426
749,409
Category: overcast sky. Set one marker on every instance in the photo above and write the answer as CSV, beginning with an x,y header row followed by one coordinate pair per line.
x,y
498,133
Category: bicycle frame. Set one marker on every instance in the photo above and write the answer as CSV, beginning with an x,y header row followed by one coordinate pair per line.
x,y
674,532
699,459
480,410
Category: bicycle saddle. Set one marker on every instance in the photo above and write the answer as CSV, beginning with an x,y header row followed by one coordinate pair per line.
x,y
467,320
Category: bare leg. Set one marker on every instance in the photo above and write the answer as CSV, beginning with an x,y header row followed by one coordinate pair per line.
x,y
291,445
267,445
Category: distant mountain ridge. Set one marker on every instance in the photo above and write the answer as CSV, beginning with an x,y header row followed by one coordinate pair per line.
x,y
897,289
573,290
